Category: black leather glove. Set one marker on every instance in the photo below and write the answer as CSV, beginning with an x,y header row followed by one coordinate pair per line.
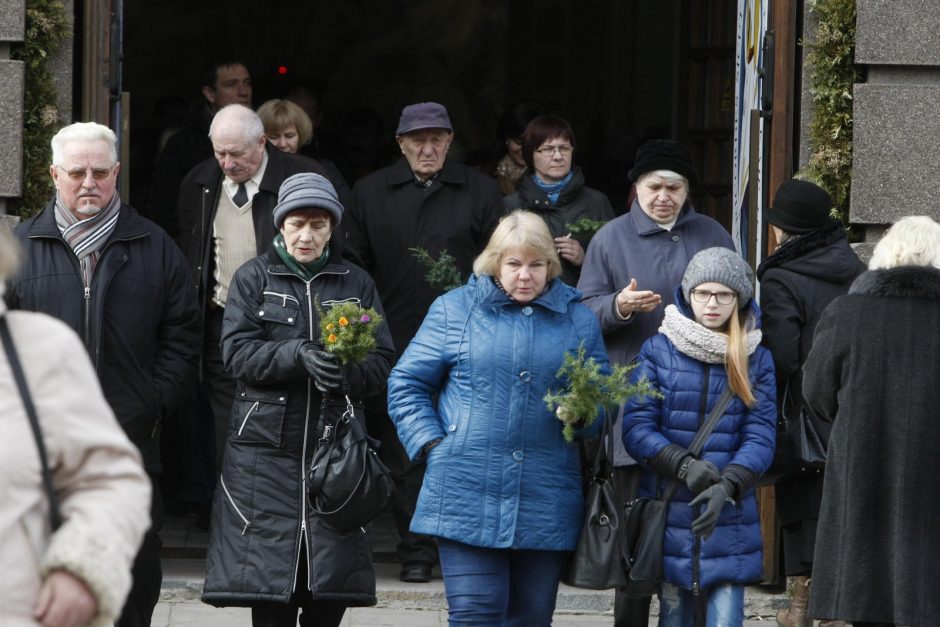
x,y
323,367
698,474
714,499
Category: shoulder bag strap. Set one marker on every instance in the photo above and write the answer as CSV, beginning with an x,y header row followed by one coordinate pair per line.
x,y
704,431
54,514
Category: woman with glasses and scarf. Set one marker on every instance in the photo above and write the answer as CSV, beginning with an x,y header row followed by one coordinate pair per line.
x,y
554,189
709,341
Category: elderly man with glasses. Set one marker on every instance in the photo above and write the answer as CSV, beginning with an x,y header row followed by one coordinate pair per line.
x,y
121,283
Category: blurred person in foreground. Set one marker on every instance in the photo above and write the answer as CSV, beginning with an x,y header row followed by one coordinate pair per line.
x,y
79,573
873,372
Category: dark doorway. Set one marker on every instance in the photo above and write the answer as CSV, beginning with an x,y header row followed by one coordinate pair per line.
x,y
620,72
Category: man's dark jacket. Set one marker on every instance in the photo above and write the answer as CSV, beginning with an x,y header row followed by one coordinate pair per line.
x,y
139,319
391,213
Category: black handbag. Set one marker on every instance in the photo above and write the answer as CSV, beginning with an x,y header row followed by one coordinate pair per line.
x,y
348,484
596,561
646,519
55,514
801,441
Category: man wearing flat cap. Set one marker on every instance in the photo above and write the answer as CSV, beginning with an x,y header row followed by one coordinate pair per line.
x,y
631,271
423,200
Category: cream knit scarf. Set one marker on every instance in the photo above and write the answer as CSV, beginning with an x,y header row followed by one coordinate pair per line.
x,y
697,342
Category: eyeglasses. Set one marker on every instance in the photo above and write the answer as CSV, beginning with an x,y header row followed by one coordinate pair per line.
x,y
99,174
549,151
723,298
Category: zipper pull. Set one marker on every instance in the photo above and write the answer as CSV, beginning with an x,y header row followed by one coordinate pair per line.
x,y
695,589
284,297
87,293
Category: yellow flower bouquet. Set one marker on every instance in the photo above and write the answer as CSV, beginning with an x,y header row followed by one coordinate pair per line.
x,y
348,331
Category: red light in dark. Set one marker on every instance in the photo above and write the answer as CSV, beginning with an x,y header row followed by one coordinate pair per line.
x,y
282,69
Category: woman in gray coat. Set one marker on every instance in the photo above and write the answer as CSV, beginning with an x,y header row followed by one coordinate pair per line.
x,y
873,372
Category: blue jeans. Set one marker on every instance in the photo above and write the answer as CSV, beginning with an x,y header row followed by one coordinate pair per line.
x,y
499,587
725,606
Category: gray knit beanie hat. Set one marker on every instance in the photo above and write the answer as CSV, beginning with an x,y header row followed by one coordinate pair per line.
x,y
307,191
719,265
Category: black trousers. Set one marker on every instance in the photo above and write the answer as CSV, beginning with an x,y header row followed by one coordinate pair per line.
x,y
314,613
146,571
218,384
412,547
629,610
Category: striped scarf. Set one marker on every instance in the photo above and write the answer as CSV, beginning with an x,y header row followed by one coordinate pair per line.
x,y
87,237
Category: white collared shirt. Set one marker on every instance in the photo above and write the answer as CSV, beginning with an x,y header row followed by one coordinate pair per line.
x,y
251,185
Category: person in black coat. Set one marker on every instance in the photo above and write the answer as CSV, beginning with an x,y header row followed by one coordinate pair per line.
x,y
812,265
554,189
268,549
224,213
120,282
873,372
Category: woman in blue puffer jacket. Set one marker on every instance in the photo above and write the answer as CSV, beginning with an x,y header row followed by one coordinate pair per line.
x,y
502,490
709,340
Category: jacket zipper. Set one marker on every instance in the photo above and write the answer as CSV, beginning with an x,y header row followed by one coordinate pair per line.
x,y
228,495
303,456
245,421
88,315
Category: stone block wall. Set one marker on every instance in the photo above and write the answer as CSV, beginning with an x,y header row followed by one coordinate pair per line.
x,y
896,160
12,28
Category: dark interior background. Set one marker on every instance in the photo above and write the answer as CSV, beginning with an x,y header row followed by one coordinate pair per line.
x,y
619,72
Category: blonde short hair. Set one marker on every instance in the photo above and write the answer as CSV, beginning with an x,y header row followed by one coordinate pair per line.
x,y
9,253
277,115
526,230
912,241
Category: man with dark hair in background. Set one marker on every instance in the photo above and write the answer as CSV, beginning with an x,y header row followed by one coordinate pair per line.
x,y
223,83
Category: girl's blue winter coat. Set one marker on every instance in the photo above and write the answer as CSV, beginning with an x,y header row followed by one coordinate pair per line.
x,y
743,436
475,375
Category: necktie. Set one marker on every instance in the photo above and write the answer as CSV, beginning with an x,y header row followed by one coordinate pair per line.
x,y
241,196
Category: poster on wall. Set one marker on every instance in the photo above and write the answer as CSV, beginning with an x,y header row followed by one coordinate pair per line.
x,y
752,26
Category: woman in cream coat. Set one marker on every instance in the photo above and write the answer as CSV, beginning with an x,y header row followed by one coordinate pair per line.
x,y
78,574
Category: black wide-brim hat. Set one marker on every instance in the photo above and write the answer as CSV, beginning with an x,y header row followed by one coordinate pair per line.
x,y
663,154
800,207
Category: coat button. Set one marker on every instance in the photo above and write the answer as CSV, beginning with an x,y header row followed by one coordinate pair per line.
x,y
290,319
451,428
525,375
675,238
260,313
526,311
518,455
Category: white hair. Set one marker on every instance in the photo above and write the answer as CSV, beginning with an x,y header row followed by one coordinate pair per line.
x,y
238,117
912,241
667,175
83,131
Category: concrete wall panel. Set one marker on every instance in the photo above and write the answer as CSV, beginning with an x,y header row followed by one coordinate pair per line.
x,y
11,127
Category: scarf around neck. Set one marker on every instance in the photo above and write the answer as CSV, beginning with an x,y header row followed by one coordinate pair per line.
x,y
305,271
553,190
693,340
87,237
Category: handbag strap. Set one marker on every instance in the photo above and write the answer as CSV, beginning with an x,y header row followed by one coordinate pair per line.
x,y
702,434
55,515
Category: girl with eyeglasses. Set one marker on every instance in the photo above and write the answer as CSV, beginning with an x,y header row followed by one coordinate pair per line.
x,y
709,340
